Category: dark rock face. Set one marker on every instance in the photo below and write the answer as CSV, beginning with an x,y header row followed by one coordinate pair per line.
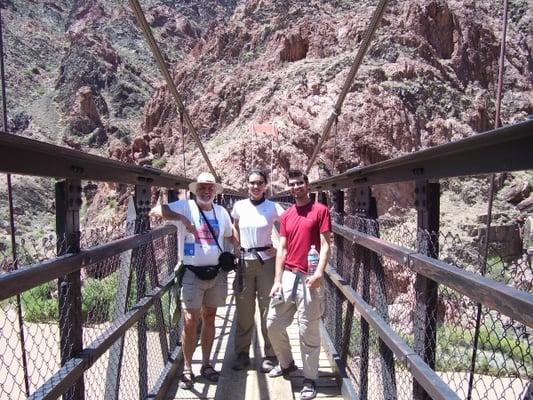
x,y
437,24
295,48
84,65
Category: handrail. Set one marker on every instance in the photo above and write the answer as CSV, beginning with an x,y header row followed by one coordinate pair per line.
x,y
509,301
48,160
424,375
504,149
20,155
75,367
25,278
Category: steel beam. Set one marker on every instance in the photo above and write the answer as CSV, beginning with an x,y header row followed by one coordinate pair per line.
x,y
499,150
19,155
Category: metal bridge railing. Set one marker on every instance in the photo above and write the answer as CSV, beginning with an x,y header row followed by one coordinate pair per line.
x,y
85,313
127,340
504,361
412,310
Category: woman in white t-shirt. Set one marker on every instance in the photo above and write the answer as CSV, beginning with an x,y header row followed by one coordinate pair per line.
x,y
253,221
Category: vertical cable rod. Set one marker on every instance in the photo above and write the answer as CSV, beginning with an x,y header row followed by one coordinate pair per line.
x,y
485,253
161,63
365,44
11,213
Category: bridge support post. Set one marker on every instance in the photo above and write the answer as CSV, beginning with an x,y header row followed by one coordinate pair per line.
x,y
174,330
140,257
367,262
116,352
361,199
338,241
68,203
427,203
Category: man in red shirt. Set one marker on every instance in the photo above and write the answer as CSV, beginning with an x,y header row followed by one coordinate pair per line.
x,y
295,290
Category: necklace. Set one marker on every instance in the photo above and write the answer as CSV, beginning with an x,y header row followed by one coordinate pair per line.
x,y
257,202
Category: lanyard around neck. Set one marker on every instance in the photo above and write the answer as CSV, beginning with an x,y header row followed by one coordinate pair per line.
x,y
209,225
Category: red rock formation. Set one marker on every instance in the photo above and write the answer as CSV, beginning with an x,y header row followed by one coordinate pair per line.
x,y
85,106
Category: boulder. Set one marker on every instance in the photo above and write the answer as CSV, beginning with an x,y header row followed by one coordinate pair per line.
x,y
140,145
518,192
86,105
504,239
526,206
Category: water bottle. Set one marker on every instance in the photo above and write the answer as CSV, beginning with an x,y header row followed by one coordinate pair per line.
x,y
188,248
312,260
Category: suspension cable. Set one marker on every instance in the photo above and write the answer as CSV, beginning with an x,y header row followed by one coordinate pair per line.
x,y
369,34
145,28
335,144
11,212
491,197
183,145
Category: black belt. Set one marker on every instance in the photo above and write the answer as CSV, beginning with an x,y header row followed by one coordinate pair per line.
x,y
240,269
255,251
251,249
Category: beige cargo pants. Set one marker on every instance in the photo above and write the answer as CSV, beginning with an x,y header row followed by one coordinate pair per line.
x,y
258,280
309,303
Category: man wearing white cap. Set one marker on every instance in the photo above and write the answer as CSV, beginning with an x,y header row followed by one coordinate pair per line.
x,y
204,285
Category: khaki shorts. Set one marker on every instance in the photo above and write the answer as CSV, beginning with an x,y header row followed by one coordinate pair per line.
x,y
196,292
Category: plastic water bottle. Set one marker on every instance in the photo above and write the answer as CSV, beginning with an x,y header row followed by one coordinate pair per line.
x,y
188,248
312,260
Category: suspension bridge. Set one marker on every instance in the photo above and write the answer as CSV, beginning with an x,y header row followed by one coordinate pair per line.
x,y
412,311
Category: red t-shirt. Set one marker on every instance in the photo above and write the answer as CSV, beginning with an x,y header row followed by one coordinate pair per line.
x,y
302,227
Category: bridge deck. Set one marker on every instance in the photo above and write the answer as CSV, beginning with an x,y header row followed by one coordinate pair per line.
x,y
251,384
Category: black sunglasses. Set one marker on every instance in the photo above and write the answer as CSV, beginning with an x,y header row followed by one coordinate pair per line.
x,y
296,183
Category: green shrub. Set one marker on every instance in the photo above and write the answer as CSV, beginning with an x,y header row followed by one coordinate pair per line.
x,y
99,299
39,305
159,163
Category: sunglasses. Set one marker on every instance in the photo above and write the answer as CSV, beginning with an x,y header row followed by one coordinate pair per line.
x,y
296,183
256,183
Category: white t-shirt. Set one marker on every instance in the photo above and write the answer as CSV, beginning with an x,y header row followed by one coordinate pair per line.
x,y
206,251
255,225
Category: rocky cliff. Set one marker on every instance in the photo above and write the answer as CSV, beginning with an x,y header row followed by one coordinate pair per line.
x,y
429,78
79,74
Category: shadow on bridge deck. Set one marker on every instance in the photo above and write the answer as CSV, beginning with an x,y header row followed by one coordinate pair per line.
x,y
250,384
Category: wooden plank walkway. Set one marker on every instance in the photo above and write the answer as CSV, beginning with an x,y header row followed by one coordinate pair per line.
x,y
251,384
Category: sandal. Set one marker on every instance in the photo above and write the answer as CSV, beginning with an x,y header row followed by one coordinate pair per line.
x,y
308,391
209,373
186,380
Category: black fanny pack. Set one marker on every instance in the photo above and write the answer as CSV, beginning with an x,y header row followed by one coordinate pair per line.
x,y
205,273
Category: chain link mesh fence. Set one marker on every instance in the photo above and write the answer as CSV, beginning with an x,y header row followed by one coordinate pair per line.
x,y
31,326
491,359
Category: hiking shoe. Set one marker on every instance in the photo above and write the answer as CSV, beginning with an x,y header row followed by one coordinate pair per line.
x,y
278,371
268,364
208,372
241,362
186,380
308,390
